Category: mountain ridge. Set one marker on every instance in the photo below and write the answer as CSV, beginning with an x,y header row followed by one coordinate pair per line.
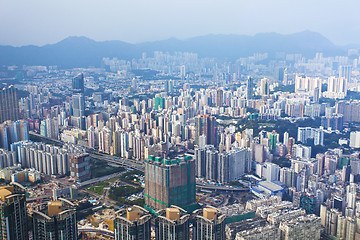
x,y
80,51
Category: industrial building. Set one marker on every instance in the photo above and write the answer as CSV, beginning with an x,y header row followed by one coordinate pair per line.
x,y
267,189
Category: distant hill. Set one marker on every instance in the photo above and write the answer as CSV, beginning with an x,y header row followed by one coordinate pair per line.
x,y
83,52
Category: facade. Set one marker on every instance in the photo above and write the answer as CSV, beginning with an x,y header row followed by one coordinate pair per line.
x,y
249,88
80,166
45,158
78,105
307,133
209,224
303,227
78,83
55,220
9,104
11,132
269,232
205,125
355,139
172,224
264,87
13,224
133,223
169,182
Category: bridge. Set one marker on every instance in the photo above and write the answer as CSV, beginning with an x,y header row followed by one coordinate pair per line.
x,y
96,230
134,165
100,156
221,188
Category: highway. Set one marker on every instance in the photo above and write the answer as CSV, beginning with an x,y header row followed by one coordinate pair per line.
x,y
220,188
99,179
119,161
134,165
101,156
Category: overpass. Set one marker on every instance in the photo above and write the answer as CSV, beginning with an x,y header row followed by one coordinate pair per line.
x,y
100,156
134,165
96,230
100,179
221,188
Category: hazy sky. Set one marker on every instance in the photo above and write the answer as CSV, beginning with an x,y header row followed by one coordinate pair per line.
x,y
39,22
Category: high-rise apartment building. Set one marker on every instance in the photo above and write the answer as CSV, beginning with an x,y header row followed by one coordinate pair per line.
x,y
169,182
205,125
11,132
337,87
132,223
307,133
55,220
13,224
208,224
172,224
345,72
306,84
355,139
265,87
219,98
303,227
9,104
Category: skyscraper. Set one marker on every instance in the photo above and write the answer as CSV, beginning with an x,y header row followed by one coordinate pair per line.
x,y
345,72
169,182
55,220
205,125
78,83
9,104
219,97
265,88
209,224
11,132
13,223
172,224
249,88
78,105
133,223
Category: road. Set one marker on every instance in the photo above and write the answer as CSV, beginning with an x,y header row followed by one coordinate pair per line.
x,y
101,156
96,230
220,188
99,179
134,165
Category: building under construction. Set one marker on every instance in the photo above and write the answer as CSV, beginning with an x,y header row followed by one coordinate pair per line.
x,y
13,212
170,182
133,223
172,224
80,166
